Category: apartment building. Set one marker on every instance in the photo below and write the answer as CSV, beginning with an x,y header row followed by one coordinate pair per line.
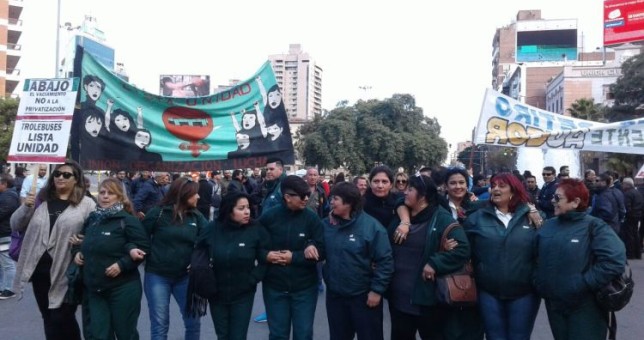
x,y
10,50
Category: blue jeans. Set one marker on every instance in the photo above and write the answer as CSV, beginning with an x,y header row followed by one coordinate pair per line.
x,y
157,291
7,270
508,319
290,308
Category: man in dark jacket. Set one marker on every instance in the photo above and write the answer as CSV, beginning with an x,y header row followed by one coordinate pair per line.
x,y
532,188
150,194
605,205
548,191
9,202
634,203
205,196
235,184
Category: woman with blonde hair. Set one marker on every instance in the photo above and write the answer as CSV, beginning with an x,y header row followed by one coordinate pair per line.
x,y
113,246
400,184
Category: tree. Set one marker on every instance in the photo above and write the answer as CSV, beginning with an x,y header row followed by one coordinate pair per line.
x,y
8,112
393,131
586,109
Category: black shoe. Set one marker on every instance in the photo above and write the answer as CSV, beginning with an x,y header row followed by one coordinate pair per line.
x,y
7,294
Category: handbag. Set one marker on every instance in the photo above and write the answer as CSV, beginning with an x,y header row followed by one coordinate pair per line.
x,y
15,245
202,283
457,289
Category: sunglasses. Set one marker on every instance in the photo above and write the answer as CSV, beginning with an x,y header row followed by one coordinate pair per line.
x,y
557,197
301,196
546,174
65,174
403,181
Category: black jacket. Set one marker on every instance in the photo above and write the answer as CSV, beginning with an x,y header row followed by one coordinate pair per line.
x,y
9,202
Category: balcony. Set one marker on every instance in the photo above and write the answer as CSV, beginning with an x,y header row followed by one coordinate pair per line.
x,y
15,8
14,30
12,80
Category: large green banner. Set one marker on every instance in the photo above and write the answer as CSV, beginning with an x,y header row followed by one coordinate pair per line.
x,y
120,127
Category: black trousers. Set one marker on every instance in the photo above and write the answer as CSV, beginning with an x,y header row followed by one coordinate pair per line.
x,y
59,323
429,325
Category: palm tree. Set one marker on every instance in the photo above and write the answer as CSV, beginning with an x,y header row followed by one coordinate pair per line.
x,y
585,108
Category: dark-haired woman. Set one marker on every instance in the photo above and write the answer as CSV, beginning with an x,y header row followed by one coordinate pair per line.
x,y
358,267
114,245
417,261
577,255
173,227
48,222
379,200
501,238
237,244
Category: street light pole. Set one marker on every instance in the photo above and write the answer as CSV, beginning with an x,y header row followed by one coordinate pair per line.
x,y
57,39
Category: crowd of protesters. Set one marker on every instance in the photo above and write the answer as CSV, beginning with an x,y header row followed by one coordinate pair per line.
x,y
362,239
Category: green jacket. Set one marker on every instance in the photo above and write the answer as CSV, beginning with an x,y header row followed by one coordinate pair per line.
x,y
294,231
237,258
577,254
108,241
172,243
503,258
424,293
358,256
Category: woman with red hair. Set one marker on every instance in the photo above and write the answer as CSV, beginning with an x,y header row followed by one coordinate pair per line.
x,y
578,254
501,238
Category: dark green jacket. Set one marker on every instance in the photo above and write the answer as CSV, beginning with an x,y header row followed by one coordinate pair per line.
x,y
571,263
424,293
237,258
358,256
503,258
294,231
172,242
108,241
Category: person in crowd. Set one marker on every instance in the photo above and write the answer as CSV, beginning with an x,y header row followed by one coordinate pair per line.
x,y
27,184
577,255
271,194
9,202
215,180
380,201
257,177
150,194
113,246
357,273
237,244
425,171
501,238
544,202
318,202
339,178
605,204
236,184
88,187
137,183
590,179
361,183
401,182
290,287
480,186
634,203
19,178
205,195
47,222
174,228
413,305
225,181
121,175
532,188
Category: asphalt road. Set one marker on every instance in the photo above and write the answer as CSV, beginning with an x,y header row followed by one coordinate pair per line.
x,y
20,319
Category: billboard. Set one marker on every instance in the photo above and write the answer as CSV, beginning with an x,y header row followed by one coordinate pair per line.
x,y
184,86
623,21
546,45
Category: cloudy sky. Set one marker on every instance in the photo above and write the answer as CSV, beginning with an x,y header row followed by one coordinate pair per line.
x,y
440,52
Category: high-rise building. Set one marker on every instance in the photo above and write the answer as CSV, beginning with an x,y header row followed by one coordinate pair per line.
x,y
10,52
300,80
92,39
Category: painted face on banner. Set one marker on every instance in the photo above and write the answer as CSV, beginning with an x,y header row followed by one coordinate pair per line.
x,y
243,141
274,99
248,120
122,123
93,126
94,90
275,131
142,139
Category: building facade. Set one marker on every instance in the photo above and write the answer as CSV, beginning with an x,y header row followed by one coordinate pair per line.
x,y
10,49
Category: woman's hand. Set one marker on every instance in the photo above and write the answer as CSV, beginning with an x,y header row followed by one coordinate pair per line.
x,y
311,253
137,254
113,271
429,273
76,239
534,216
30,200
373,299
451,244
400,235
78,259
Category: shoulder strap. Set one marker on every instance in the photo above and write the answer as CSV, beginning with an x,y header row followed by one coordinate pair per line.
x,y
446,233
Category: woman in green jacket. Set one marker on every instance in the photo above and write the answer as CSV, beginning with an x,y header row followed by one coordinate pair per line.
x,y
113,246
237,244
501,238
413,305
174,228
577,255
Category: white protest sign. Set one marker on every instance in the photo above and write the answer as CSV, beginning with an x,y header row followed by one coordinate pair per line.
x,y
44,121
508,122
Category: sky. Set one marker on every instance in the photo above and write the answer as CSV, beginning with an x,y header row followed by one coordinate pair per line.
x,y
439,52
